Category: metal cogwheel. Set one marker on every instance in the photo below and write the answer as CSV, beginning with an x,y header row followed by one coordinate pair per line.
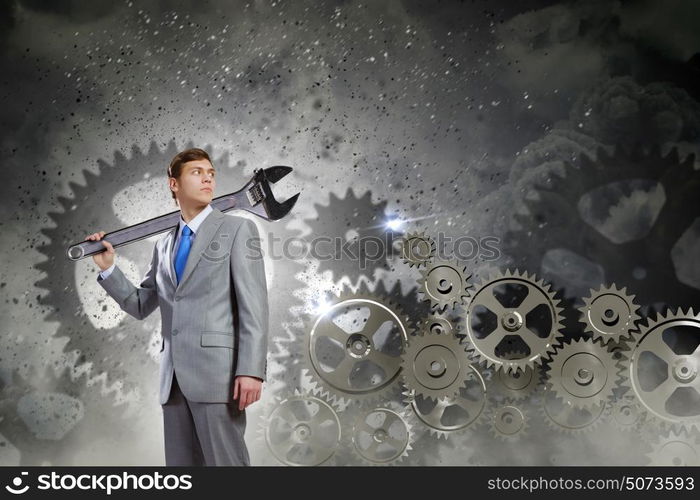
x,y
508,422
565,417
444,284
675,449
54,417
435,365
583,373
353,349
439,324
303,430
517,385
512,312
353,221
417,249
450,415
381,435
664,368
626,413
609,314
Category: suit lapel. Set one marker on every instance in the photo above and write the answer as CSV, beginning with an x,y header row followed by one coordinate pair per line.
x,y
169,242
202,238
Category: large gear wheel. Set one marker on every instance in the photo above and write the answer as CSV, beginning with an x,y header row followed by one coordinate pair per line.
x,y
444,284
583,373
554,222
609,314
664,368
381,435
291,356
417,249
435,365
56,417
353,349
512,312
352,221
450,415
675,449
302,430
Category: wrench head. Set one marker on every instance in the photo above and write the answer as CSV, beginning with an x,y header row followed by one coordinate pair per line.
x,y
273,174
274,210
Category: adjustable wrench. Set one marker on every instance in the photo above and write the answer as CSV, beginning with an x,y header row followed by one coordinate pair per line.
x,y
256,197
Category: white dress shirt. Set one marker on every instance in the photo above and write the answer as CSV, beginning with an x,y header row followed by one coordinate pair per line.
x,y
193,225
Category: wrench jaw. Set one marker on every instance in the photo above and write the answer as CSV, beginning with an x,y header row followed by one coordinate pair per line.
x,y
260,197
275,173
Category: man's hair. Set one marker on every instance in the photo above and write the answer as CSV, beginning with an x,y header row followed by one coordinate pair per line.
x,y
175,167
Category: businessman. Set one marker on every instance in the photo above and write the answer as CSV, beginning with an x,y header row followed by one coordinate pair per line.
x,y
211,290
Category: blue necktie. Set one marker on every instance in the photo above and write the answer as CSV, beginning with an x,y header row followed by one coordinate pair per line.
x,y
183,251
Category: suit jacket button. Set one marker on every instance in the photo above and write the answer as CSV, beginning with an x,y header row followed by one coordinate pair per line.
x,y
177,298
175,331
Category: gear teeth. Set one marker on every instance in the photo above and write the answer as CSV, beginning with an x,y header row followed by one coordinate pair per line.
x,y
441,301
357,437
565,354
675,448
609,299
377,305
535,286
647,334
417,261
322,425
433,421
416,373
586,427
508,430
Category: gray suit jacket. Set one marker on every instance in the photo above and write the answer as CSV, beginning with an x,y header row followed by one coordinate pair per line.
x,y
215,321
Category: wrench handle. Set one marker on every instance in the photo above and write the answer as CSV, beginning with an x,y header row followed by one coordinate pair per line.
x,y
147,228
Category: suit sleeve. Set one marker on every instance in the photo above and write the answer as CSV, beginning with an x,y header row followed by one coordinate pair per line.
x,y
248,275
138,302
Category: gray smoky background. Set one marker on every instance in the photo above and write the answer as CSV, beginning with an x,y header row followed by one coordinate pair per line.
x,y
569,131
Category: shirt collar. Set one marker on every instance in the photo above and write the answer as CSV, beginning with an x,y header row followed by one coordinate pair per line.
x,y
196,222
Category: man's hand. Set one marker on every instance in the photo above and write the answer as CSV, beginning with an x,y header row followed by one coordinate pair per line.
x,y
248,388
104,260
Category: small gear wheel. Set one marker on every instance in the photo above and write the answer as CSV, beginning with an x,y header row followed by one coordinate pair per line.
x,y
439,324
664,368
565,417
353,349
454,414
609,314
508,422
517,385
583,373
512,312
302,430
626,413
381,435
417,249
675,449
435,365
444,284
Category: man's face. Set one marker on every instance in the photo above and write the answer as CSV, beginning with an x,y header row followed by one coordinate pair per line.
x,y
196,184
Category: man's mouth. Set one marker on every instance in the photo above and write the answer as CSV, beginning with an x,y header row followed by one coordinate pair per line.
x,y
206,189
